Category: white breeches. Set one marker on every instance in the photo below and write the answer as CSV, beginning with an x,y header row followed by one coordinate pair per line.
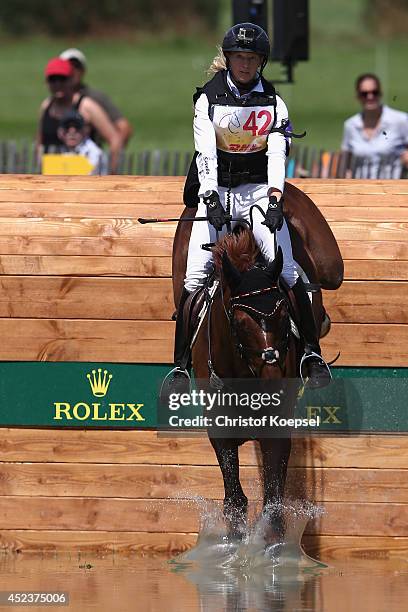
x,y
241,199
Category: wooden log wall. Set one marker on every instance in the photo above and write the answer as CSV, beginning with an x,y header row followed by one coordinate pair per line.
x,y
80,277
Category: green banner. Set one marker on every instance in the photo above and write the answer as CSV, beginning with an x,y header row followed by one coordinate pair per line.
x,y
79,394
88,395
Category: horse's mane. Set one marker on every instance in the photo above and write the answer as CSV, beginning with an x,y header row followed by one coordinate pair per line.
x,y
240,247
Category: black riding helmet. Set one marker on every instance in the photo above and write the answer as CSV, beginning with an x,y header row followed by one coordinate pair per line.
x,y
247,37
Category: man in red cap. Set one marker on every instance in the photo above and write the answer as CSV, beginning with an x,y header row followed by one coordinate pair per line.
x,y
78,62
63,98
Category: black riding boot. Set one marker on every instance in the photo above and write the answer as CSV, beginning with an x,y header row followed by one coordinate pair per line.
x,y
317,370
178,379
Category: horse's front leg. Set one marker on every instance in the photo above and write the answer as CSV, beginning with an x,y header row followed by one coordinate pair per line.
x,y
275,457
235,500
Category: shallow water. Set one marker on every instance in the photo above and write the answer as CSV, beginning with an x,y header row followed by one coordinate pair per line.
x,y
152,585
256,572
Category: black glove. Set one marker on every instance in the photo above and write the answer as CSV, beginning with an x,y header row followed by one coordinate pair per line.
x,y
274,214
215,211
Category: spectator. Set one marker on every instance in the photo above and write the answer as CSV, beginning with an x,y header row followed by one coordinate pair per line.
x,y
73,133
58,73
78,62
378,134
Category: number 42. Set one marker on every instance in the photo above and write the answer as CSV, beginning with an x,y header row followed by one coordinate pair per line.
x,y
252,126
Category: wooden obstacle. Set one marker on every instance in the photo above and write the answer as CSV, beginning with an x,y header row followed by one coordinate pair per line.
x,y
65,241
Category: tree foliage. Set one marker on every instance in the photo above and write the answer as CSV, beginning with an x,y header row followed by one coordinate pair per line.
x,y
89,16
387,17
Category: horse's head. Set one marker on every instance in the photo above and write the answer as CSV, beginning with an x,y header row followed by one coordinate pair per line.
x,y
258,310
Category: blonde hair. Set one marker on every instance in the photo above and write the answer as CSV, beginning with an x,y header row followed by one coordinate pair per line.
x,y
219,62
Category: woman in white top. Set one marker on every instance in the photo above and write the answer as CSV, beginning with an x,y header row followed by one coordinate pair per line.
x,y
378,135
241,136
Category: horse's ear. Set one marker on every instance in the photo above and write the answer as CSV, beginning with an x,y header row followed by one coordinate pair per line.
x,y
232,275
274,269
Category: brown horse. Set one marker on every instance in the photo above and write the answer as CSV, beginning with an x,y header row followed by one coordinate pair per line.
x,y
250,336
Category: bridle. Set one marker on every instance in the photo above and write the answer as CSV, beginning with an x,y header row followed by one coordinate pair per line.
x,y
270,355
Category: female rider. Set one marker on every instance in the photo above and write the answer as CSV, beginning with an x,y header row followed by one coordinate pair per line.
x,y
241,145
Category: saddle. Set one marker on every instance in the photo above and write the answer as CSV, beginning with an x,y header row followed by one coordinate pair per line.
x,y
196,306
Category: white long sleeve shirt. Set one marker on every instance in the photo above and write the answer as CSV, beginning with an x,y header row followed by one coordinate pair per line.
x,y
238,129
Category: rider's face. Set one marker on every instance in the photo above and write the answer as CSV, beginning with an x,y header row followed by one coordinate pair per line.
x,y
244,65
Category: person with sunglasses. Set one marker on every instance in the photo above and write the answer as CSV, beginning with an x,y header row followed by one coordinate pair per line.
x,y
378,135
62,99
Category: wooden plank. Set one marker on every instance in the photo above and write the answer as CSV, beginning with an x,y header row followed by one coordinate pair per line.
x,y
147,447
367,231
84,227
345,201
129,204
100,208
351,186
162,481
86,340
324,547
332,548
103,340
90,198
93,183
355,269
143,244
368,345
340,518
71,297
362,302
160,244
124,237
33,542
158,182
375,269
372,249
126,228
84,265
362,214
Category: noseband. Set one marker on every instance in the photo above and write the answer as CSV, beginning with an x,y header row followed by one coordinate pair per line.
x,y
269,355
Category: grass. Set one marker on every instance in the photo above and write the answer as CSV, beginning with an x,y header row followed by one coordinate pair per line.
x,y
153,81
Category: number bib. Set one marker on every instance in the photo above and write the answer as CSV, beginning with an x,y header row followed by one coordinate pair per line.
x,y
242,129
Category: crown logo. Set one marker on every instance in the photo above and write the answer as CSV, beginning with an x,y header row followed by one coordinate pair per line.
x,y
99,384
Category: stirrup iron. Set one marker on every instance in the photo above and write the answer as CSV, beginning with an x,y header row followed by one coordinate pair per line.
x,y
307,356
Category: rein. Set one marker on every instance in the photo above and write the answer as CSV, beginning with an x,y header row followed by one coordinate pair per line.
x,y
269,355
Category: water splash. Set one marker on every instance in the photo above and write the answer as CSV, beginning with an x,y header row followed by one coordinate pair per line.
x,y
259,546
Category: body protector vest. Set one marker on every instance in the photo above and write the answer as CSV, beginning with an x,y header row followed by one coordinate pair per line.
x,y
242,126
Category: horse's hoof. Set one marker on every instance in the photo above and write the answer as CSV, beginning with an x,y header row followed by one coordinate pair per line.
x,y
235,536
